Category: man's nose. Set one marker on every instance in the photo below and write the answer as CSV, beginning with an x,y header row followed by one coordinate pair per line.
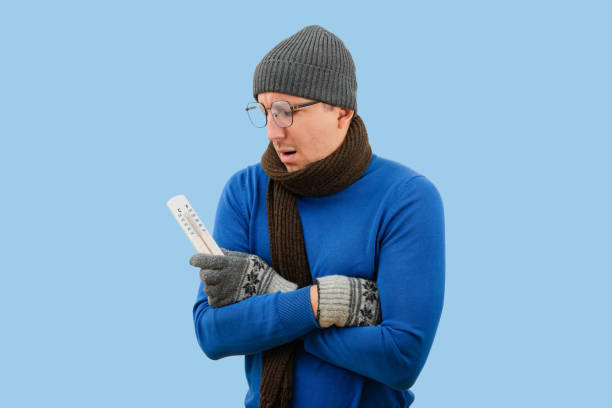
x,y
274,131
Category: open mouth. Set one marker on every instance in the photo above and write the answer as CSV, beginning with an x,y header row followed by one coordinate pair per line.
x,y
287,157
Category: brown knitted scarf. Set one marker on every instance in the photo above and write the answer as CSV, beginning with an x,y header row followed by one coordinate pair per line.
x,y
327,176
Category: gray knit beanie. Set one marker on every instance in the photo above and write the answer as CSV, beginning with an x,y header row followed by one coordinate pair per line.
x,y
313,63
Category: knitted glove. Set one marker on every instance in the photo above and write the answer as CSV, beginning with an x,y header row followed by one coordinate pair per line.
x,y
236,276
345,301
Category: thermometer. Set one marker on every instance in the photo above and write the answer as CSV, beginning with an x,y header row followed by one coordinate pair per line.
x,y
192,226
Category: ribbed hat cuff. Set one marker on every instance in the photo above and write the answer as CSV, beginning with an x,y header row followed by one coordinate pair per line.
x,y
306,81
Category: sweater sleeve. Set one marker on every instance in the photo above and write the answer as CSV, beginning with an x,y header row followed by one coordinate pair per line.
x,y
259,322
410,282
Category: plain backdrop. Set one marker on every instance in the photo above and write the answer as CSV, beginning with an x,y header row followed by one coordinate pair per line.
x,y
109,108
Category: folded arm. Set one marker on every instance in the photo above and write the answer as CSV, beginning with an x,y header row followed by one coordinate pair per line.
x,y
259,322
411,286
252,325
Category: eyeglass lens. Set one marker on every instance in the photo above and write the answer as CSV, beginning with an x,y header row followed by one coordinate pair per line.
x,y
281,113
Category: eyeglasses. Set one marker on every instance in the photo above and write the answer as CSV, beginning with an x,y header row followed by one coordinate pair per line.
x,y
282,112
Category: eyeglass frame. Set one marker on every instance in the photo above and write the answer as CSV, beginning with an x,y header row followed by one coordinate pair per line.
x,y
293,108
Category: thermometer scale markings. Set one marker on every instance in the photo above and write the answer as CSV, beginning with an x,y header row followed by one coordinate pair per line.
x,y
195,229
192,226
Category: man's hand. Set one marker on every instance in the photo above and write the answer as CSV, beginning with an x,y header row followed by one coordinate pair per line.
x,y
344,301
237,276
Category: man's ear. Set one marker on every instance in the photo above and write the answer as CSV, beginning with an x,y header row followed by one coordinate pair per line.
x,y
344,117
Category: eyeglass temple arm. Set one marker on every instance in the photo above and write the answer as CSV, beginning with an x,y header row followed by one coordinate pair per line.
x,y
303,105
292,107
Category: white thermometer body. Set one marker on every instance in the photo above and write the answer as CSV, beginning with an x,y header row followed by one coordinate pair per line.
x,y
192,226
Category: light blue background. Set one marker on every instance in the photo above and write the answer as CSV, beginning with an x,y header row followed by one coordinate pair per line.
x,y
108,109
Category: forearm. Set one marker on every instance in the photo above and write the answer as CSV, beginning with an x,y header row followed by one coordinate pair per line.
x,y
387,355
394,351
254,324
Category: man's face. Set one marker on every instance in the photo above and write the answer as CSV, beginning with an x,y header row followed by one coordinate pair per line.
x,y
316,131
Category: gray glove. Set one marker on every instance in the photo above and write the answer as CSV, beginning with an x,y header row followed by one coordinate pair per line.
x,y
236,276
345,301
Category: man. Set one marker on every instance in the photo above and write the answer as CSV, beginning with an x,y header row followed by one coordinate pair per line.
x,y
332,282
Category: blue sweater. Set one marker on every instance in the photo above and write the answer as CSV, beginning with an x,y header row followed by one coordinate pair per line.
x,y
388,226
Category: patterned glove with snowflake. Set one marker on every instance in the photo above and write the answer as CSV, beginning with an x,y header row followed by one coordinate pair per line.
x,y
236,276
345,301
